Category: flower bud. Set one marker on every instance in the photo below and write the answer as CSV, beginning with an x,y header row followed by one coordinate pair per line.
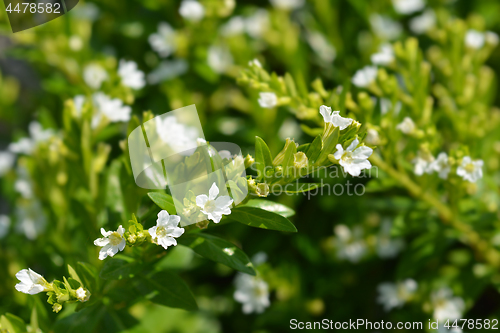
x,y
281,155
249,160
300,160
262,190
56,307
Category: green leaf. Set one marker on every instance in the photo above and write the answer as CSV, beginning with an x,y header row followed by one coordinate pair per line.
x,y
314,149
311,131
87,274
290,85
263,158
163,200
301,187
270,206
12,324
121,267
260,218
167,289
83,321
218,250
328,146
73,274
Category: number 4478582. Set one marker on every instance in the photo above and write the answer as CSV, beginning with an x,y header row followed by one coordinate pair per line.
x,y
473,324
33,8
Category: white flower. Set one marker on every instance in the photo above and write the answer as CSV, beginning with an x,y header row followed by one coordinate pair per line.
x,y
255,62
257,23
353,159
268,100
30,218
163,41
252,292
363,77
325,51
406,7
192,10
31,282
372,137
422,23
4,225
386,106
75,43
212,206
349,244
334,117
407,126
470,170
166,229
219,58
37,135
83,295
491,38
395,295
7,160
423,164
111,243
235,26
287,4
474,39
112,108
180,137
441,165
130,75
446,306
384,27
384,56
23,184
78,102
94,75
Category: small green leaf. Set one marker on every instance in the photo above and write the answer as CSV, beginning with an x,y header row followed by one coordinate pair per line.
x,y
218,250
263,158
260,218
12,324
167,289
328,146
314,149
290,85
311,131
301,187
163,200
118,268
87,274
270,206
73,274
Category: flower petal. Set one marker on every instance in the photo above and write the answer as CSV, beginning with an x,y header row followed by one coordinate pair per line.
x,y
362,152
174,221
353,145
213,192
152,231
201,200
177,232
163,218
223,201
101,241
340,151
326,111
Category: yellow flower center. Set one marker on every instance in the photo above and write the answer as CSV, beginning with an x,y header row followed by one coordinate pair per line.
x,y
115,238
469,168
347,156
210,205
161,232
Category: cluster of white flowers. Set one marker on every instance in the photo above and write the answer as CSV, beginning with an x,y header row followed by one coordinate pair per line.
x,y
213,205
406,7
268,100
423,23
470,170
178,136
385,28
112,109
334,117
365,76
395,295
27,145
219,58
130,75
349,245
407,126
192,10
163,41
384,56
476,39
446,306
254,25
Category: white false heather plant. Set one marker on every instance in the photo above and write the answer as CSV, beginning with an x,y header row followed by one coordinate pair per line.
x,y
213,205
166,229
111,243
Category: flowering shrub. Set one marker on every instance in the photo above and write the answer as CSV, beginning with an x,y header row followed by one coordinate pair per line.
x,y
371,149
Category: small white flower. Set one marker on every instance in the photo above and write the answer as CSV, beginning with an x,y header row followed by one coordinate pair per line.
x,y
130,75
7,160
219,58
192,10
30,218
287,4
491,38
75,43
78,102
407,126
321,46
94,75
163,41
384,56
179,137
4,225
166,229
353,159
235,26
31,282
423,164
255,62
37,135
212,206
363,77
289,129
406,7
257,23
112,108
395,295
350,245
252,292
83,295
334,117
386,106
23,184
268,100
111,243
470,170
422,23
441,165
446,306
372,137
384,27
474,39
